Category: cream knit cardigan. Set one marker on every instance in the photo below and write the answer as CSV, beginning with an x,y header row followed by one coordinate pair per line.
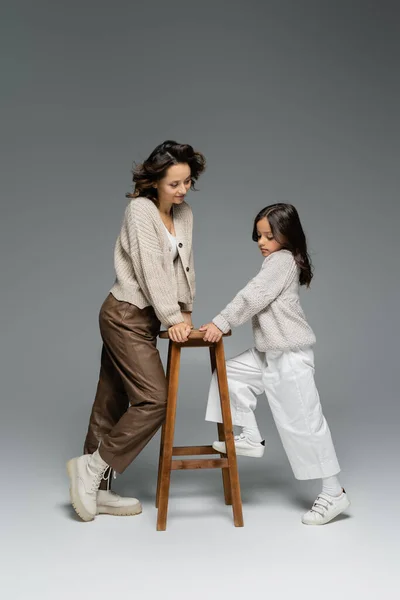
x,y
146,274
271,300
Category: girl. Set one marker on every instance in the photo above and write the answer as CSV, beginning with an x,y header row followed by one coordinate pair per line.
x,y
154,284
282,362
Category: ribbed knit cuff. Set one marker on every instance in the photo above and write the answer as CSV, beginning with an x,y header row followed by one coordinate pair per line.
x,y
186,307
174,320
221,323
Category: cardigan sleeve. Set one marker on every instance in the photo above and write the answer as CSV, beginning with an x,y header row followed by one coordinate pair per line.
x,y
278,268
148,259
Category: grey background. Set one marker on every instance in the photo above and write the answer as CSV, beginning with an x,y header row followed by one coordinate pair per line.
x,y
289,101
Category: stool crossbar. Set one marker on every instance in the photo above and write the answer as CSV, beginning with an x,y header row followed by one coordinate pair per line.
x,y
227,462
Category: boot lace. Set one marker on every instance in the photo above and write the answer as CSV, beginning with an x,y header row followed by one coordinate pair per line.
x,y
108,474
98,476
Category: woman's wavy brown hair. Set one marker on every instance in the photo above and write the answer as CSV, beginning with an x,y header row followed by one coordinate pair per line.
x,y
154,168
286,227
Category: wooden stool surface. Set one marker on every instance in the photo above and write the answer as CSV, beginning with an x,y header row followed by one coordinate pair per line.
x,y
227,462
196,338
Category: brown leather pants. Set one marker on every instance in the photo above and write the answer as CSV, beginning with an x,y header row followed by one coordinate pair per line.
x,y
131,394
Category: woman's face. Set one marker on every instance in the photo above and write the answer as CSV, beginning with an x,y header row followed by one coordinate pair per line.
x,y
266,240
173,187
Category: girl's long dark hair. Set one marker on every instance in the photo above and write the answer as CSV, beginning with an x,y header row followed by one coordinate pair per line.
x,y
286,227
154,168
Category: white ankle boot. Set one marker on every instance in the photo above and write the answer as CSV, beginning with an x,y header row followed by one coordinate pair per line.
x,y
86,473
110,503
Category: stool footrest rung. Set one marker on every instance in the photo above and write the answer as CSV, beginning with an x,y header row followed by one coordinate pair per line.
x,y
192,450
200,463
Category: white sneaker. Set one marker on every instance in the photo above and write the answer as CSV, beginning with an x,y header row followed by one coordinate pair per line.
x,y
244,447
326,508
110,503
85,473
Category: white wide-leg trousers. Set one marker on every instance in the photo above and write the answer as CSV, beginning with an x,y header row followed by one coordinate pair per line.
x,y
287,378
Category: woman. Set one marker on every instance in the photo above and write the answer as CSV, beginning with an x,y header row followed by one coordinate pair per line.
x,y
155,284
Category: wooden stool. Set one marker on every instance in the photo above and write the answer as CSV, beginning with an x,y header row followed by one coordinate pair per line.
x,y
226,462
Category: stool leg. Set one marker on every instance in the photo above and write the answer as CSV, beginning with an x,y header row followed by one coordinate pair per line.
x,y
160,464
162,433
221,436
228,431
168,441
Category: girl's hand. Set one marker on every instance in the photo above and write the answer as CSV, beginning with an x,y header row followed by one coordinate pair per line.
x,y
179,333
187,318
212,333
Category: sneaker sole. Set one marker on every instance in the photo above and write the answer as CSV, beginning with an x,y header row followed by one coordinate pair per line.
x,y
336,514
119,511
75,499
256,453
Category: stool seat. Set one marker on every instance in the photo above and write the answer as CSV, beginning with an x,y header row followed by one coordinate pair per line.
x,y
195,334
227,462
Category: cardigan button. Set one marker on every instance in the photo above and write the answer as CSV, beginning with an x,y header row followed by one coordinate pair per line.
x,y
180,244
187,269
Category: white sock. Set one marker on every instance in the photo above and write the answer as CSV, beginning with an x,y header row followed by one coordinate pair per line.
x,y
252,433
331,486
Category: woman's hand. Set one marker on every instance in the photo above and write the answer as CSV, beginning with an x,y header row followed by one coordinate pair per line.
x,y
179,333
212,333
187,318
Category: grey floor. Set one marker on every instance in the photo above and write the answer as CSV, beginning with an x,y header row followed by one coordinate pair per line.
x,y
49,553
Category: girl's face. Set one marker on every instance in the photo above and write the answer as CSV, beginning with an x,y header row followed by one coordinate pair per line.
x,y
266,241
173,187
